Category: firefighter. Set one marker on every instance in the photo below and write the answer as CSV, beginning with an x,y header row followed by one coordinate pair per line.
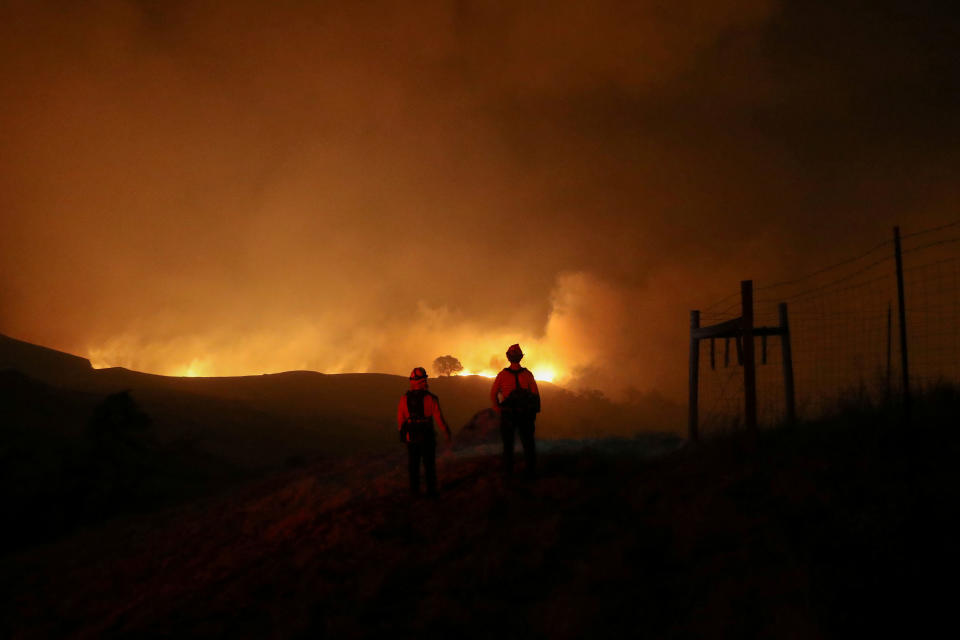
x,y
515,397
416,414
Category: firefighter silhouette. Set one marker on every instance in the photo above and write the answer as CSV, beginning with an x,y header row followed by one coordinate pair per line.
x,y
515,396
416,414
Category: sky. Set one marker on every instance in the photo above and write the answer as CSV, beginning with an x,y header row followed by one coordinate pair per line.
x,y
212,188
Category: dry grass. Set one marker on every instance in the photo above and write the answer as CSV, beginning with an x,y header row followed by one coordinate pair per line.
x,y
834,529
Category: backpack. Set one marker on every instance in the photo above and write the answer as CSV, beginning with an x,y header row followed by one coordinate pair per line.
x,y
521,401
417,427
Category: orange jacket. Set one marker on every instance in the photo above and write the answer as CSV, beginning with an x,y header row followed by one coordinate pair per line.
x,y
506,382
431,407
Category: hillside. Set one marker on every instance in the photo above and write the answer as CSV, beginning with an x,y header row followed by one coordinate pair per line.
x,y
830,531
349,411
55,367
204,435
838,529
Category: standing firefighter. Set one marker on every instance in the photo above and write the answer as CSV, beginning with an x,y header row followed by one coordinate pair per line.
x,y
416,413
516,397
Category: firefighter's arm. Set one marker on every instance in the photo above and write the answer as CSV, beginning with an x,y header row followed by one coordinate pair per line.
x,y
494,390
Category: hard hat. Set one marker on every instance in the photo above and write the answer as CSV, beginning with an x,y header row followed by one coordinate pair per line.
x,y
419,373
514,353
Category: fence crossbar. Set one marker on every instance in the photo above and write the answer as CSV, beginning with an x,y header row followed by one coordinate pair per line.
x,y
732,329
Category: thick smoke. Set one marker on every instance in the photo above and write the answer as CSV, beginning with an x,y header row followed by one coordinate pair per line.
x,y
230,188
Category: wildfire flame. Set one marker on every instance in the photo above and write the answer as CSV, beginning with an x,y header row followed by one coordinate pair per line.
x,y
196,369
331,344
546,373
305,347
210,365
485,373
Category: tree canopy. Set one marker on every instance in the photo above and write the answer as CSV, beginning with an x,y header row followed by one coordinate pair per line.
x,y
447,365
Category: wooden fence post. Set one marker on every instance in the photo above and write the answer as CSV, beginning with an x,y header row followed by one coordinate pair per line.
x,y
888,389
694,376
904,366
787,357
743,330
749,364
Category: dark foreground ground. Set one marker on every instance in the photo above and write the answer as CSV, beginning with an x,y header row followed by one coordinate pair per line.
x,y
837,530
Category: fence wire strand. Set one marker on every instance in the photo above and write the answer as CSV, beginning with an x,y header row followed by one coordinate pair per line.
x,y
844,330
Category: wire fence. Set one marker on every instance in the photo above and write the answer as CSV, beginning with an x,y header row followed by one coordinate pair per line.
x,y
845,328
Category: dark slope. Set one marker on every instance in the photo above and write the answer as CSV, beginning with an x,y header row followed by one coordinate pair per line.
x,y
360,406
830,531
351,411
253,422
205,434
262,422
41,428
42,363
59,468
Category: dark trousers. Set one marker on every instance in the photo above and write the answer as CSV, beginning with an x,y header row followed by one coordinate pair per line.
x,y
523,426
425,450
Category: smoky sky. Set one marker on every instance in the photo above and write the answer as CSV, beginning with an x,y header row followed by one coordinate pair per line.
x,y
363,186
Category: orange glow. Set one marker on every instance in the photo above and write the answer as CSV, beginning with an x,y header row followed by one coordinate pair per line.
x,y
486,373
196,369
225,189
545,372
566,345
254,355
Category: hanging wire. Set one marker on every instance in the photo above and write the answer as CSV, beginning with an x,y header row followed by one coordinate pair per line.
x,y
885,243
842,263
721,301
930,230
827,286
929,264
938,243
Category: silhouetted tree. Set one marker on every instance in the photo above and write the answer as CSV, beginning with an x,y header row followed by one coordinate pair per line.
x,y
118,417
447,365
120,456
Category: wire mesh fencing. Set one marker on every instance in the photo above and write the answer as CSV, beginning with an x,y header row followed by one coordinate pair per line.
x,y
844,331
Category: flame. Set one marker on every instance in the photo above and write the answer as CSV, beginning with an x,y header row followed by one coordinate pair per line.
x,y
222,364
196,369
306,347
546,373
484,373
335,344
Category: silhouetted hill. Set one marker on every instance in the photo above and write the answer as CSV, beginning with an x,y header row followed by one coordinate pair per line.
x,y
349,412
206,433
42,363
62,465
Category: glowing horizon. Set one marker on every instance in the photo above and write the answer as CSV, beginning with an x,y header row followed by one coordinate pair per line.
x,y
209,366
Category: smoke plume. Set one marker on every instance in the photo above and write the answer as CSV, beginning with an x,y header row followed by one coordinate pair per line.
x,y
213,188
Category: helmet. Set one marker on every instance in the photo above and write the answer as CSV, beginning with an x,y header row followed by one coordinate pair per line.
x,y
514,353
419,373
